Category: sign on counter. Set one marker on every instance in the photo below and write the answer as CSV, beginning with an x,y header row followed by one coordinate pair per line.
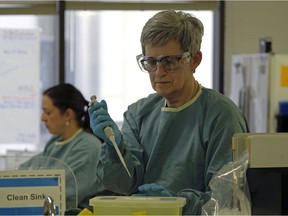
x,y
23,191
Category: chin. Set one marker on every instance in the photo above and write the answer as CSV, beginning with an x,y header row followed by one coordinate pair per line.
x,y
163,93
50,131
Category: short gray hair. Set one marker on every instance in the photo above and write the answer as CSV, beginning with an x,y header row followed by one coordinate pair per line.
x,y
166,25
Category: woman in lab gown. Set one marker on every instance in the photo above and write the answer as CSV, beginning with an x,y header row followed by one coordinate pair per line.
x,y
72,147
175,140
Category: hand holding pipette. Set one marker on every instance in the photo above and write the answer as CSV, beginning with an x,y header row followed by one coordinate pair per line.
x,y
108,131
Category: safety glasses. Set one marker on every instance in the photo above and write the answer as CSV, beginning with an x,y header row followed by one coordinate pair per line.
x,y
169,63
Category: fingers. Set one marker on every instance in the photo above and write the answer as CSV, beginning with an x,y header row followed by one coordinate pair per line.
x,y
148,188
100,119
104,105
154,189
151,187
99,116
96,106
98,113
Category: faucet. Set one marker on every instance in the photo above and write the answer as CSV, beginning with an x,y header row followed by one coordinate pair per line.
x,y
49,208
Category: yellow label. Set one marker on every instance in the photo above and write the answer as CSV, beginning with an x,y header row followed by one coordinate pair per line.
x,y
284,76
138,213
85,212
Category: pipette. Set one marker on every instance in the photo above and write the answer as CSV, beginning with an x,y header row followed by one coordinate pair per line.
x,y
111,136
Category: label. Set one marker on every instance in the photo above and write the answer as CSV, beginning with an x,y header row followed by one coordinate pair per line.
x,y
23,191
284,76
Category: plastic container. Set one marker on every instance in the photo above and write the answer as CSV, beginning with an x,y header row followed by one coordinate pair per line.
x,y
282,117
137,205
283,107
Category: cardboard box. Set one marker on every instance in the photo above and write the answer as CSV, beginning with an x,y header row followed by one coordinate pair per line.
x,y
266,150
137,205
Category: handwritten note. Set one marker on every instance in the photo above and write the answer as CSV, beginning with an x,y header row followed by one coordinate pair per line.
x,y
19,85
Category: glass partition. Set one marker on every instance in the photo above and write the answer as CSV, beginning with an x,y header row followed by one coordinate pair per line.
x,y
46,163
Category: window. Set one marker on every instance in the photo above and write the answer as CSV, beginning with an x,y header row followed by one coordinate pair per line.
x,y
101,47
13,137
102,55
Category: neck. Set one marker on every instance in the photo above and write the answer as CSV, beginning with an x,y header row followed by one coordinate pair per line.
x,y
69,131
179,101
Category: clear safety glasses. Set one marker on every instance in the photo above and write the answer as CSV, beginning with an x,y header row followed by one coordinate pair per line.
x,y
149,64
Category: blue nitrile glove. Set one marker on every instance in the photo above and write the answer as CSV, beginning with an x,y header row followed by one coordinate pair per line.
x,y
153,190
100,119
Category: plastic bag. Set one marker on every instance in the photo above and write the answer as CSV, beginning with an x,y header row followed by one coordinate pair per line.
x,y
230,191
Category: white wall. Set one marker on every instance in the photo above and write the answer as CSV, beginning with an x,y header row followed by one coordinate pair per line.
x,y
246,22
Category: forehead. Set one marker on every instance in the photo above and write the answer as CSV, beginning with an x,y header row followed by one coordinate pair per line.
x,y
47,102
172,47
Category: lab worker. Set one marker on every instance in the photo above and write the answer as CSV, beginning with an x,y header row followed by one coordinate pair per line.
x,y
174,140
72,147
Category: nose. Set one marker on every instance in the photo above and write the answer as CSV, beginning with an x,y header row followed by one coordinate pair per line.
x,y
160,69
43,117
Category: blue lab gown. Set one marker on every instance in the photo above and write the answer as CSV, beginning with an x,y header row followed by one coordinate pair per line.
x,y
179,148
79,157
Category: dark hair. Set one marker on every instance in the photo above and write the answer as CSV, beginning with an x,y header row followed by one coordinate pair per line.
x,y
66,96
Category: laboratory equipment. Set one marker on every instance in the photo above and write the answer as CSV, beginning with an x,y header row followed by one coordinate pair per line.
x,y
111,136
136,205
267,173
258,83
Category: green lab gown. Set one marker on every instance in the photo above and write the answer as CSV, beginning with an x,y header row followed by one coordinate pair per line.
x,y
178,148
79,157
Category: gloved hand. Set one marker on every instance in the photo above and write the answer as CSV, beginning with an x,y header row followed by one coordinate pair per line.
x,y
153,190
100,119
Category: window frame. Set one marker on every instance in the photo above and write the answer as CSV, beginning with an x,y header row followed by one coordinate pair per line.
x,y
59,7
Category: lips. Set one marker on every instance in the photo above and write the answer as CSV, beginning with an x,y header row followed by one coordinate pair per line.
x,y
162,82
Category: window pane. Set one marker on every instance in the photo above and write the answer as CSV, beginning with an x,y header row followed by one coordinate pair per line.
x,y
42,63
102,55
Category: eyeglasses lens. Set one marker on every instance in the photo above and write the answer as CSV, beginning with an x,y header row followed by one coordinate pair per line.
x,y
168,62
149,64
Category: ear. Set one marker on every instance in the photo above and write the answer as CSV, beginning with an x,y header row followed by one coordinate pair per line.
x,y
196,60
69,113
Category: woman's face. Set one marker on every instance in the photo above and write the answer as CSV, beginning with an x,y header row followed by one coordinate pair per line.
x,y
52,117
173,84
178,85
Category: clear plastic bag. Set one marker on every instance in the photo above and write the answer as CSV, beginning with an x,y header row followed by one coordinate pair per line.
x,y
230,191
